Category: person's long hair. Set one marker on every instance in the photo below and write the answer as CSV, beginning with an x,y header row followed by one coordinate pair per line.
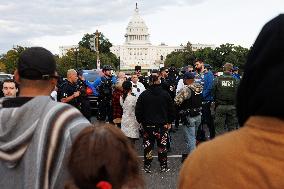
x,y
102,153
127,86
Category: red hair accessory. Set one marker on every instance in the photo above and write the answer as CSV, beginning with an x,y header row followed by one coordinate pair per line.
x,y
104,185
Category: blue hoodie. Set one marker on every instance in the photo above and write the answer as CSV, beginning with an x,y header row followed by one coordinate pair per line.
x,y
207,86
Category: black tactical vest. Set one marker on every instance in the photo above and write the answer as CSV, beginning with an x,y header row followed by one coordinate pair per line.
x,y
194,102
226,90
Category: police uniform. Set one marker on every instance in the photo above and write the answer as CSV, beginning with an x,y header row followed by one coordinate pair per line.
x,y
83,99
170,88
142,79
224,92
104,99
67,89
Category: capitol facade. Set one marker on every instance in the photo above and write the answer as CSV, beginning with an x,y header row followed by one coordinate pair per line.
x,y
138,50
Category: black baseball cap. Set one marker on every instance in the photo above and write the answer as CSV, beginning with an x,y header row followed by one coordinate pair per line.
x,y
188,75
36,63
137,68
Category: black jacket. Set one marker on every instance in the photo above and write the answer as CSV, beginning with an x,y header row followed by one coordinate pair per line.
x,y
154,107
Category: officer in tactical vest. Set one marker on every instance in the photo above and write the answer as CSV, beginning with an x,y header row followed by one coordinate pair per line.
x,y
189,100
224,93
104,86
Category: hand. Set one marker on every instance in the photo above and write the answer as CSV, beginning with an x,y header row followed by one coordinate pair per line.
x,y
168,126
76,94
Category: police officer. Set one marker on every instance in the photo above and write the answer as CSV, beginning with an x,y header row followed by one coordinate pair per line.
x,y
224,92
142,79
83,99
173,75
68,91
166,82
104,88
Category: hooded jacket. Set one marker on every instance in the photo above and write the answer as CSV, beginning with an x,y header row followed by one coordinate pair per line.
x,y
261,91
35,138
154,107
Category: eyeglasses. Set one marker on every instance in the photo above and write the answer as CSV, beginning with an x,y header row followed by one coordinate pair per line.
x,y
190,71
138,70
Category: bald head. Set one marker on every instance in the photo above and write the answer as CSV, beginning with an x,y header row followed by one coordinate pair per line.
x,y
72,76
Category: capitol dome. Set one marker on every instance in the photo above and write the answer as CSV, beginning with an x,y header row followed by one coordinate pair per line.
x,y
137,30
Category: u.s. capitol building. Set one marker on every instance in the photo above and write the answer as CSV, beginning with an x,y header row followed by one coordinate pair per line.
x,y
138,50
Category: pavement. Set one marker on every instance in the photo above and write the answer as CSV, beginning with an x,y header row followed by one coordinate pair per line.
x,y
167,180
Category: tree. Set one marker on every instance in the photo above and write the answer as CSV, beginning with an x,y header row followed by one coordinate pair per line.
x,y
215,57
104,44
86,59
9,60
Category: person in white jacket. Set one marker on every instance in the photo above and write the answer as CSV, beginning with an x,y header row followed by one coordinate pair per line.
x,y
137,87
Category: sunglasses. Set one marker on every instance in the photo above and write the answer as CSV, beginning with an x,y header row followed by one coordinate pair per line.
x,y
167,71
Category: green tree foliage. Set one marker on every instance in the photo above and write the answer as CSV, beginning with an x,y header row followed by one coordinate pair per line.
x,y
104,44
215,57
181,58
81,58
8,61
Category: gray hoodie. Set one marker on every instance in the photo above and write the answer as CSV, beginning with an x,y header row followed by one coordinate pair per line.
x,y
35,139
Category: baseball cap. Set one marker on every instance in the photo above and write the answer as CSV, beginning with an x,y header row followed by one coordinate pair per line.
x,y
36,63
228,66
137,68
235,68
208,66
188,75
154,71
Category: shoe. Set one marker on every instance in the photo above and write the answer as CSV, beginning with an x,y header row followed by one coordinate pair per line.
x,y
172,130
183,157
164,169
169,149
147,168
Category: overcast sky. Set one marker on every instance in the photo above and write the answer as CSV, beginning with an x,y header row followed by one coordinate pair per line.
x,y
54,23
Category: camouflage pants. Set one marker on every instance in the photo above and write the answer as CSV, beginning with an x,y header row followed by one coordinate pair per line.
x,y
225,119
150,135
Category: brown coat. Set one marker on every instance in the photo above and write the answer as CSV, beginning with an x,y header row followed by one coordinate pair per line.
x,y
251,157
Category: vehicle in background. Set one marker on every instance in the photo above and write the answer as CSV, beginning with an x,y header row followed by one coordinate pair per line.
x,y
4,76
91,76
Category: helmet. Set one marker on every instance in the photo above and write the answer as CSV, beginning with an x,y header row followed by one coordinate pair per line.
x,y
106,67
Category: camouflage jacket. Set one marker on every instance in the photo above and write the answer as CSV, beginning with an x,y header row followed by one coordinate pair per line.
x,y
185,93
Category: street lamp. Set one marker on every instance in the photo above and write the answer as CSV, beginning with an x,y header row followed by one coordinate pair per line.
x,y
76,50
97,48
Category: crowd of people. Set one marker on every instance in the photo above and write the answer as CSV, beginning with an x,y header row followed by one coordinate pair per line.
x,y
47,140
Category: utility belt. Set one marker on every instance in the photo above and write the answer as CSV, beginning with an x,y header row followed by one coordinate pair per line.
x,y
191,112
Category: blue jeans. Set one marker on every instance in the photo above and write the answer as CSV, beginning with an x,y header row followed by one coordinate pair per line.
x,y
190,130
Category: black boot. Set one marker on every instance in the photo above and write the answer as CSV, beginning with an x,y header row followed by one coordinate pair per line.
x,y
183,157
